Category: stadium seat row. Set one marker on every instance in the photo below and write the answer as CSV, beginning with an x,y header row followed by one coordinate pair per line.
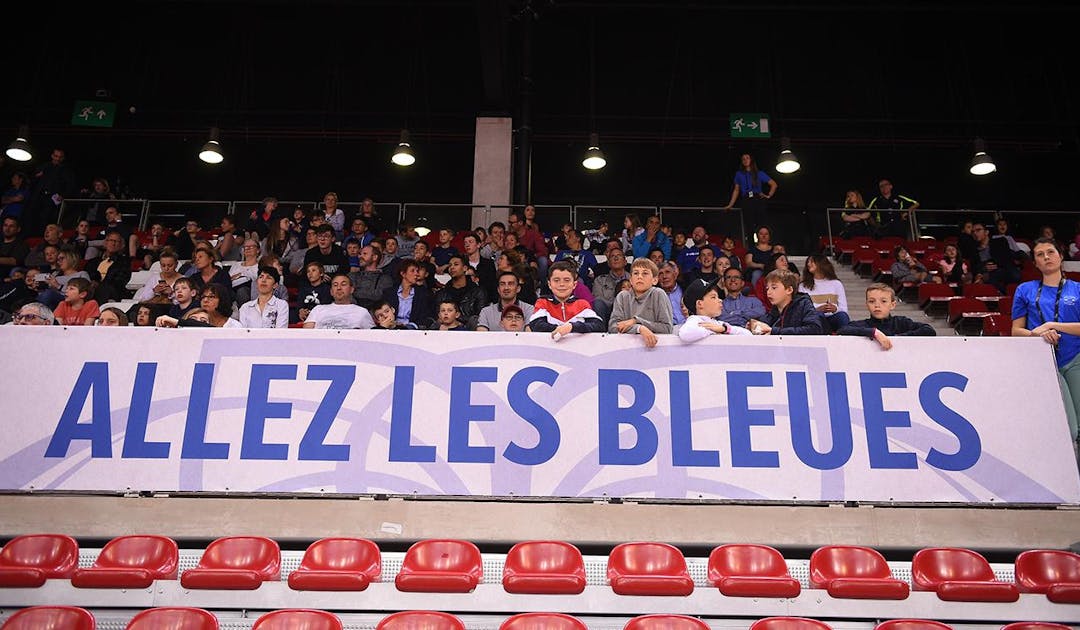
x,y
73,618
537,567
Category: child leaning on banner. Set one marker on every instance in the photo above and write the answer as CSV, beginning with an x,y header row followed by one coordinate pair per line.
x,y
880,301
564,313
702,299
645,309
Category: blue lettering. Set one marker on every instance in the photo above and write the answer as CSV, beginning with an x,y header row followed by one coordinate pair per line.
x,y
93,377
202,381
401,420
135,444
260,409
742,417
682,437
547,429
967,455
312,447
839,421
878,421
463,413
610,417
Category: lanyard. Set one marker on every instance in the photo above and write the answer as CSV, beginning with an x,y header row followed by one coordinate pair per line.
x,y
1057,299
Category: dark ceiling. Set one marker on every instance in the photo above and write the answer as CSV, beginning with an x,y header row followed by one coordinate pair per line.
x,y
310,96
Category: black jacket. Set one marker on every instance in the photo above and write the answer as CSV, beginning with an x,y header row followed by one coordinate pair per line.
x,y
894,325
423,305
799,318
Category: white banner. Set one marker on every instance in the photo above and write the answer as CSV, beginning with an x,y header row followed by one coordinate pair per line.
x,y
960,420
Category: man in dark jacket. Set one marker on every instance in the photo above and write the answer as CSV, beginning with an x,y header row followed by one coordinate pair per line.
x,y
112,270
412,302
468,295
793,313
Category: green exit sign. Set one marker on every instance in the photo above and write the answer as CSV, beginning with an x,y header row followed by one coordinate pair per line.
x,y
750,126
93,114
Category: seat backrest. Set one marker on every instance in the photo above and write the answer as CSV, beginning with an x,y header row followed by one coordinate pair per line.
x,y
298,619
846,561
56,555
980,290
157,554
746,561
49,617
930,289
935,565
254,553
665,622
545,556
457,556
343,554
912,624
420,620
789,623
173,619
1037,569
543,621
646,558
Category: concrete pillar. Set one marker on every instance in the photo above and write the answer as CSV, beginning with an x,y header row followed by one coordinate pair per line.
x,y
492,169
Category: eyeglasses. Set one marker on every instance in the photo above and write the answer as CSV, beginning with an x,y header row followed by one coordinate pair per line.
x,y
23,317
514,316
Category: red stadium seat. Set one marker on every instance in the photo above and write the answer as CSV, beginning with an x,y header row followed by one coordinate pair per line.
x,y
298,619
789,623
863,260
1053,573
881,270
440,566
928,290
544,567
912,624
235,563
1035,625
420,620
997,325
751,571
27,561
855,573
966,308
665,622
337,564
131,562
959,575
648,568
173,619
50,618
980,290
543,621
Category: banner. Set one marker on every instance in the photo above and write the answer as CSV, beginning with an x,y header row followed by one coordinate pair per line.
x,y
959,420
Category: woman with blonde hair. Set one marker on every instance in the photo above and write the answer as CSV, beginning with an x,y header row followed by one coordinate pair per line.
x,y
861,221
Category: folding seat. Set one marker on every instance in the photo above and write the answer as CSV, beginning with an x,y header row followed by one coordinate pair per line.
x,y
298,619
789,623
27,561
50,618
959,575
337,564
543,621
980,290
544,567
235,563
665,622
751,571
862,261
131,562
929,290
964,311
1035,625
912,624
440,566
420,620
853,572
997,325
1053,573
881,270
648,568
173,619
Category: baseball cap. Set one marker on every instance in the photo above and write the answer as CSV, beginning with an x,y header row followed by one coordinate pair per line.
x,y
695,291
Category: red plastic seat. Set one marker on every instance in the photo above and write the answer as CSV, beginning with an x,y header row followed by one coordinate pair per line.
x,y
131,562
440,566
50,618
544,567
420,620
912,624
337,564
997,325
959,575
648,568
1035,625
980,290
27,561
665,622
928,290
173,619
543,621
853,572
1053,573
965,308
298,619
751,571
789,623
235,563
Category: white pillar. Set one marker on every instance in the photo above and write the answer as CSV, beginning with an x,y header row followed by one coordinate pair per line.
x,y
492,169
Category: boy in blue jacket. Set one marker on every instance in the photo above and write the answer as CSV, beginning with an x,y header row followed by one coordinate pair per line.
x,y
880,301
793,313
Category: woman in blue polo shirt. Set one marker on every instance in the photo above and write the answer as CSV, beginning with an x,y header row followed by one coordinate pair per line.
x,y
750,190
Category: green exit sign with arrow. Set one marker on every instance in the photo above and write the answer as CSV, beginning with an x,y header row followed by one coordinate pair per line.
x,y
750,126
93,114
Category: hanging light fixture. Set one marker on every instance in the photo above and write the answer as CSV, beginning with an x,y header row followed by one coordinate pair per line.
x,y
20,150
982,163
211,151
594,157
403,155
787,163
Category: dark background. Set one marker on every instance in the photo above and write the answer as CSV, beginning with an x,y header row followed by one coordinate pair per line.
x,y
310,97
